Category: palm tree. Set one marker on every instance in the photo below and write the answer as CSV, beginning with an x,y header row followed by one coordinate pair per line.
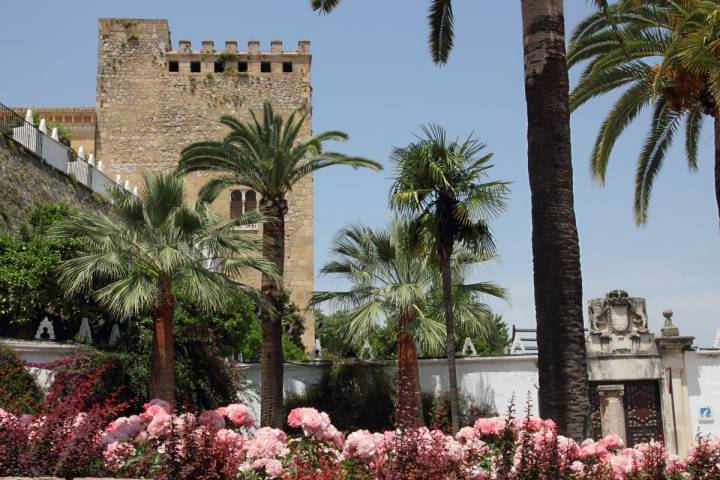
x,y
439,186
664,58
563,376
269,156
390,283
135,257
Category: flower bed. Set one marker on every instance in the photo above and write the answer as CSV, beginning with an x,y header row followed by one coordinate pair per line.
x,y
222,444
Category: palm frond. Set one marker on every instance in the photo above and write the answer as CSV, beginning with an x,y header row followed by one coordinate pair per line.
x,y
441,20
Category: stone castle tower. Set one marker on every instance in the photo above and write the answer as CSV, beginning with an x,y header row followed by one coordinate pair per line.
x,y
153,100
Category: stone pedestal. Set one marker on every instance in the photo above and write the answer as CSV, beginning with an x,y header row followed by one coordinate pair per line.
x,y
612,410
676,405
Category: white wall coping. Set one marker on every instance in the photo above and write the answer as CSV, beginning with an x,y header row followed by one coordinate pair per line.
x,y
45,346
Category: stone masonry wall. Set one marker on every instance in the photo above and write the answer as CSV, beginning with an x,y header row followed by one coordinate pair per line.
x,y
27,183
146,114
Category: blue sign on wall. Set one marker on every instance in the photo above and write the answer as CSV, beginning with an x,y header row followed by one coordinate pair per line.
x,y
706,413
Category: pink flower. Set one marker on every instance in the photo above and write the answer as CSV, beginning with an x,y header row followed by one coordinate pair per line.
x,y
160,424
238,413
612,441
273,468
465,434
489,426
26,419
155,407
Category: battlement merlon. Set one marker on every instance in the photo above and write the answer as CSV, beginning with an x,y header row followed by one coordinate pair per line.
x,y
231,47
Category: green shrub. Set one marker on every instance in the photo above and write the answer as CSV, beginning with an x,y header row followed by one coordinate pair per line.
x,y
436,411
354,395
18,391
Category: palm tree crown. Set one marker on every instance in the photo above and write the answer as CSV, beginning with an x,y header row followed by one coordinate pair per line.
x,y
385,278
266,154
155,238
652,51
439,184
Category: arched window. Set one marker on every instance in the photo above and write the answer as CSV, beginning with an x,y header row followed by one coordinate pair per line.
x,y
236,204
250,201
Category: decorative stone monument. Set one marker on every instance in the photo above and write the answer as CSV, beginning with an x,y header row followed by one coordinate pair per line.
x,y
45,330
619,324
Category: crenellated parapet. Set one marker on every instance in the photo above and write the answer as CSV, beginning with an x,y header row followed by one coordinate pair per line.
x,y
253,61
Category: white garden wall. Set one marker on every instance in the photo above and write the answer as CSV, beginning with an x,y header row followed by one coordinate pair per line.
x,y
486,381
702,372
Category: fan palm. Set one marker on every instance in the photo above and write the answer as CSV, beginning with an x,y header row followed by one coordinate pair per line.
x,y
440,186
133,258
390,283
269,156
664,58
563,378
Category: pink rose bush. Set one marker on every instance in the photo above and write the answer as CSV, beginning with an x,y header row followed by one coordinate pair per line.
x,y
225,444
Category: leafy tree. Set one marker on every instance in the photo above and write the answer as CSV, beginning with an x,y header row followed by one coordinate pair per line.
x,y
563,378
28,279
329,328
663,59
495,339
440,186
134,260
270,156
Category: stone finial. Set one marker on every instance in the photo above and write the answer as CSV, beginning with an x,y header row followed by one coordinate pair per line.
x,y
100,166
91,159
114,335
276,46
84,334
45,330
231,46
366,352
118,179
55,135
43,126
29,117
185,46
253,46
126,186
304,46
81,152
669,329
208,46
318,349
468,348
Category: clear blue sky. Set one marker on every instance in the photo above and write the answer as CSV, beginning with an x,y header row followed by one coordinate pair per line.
x,y
372,77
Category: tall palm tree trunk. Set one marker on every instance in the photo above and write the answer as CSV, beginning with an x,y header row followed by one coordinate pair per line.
x,y
563,376
271,371
716,120
408,410
162,352
450,346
